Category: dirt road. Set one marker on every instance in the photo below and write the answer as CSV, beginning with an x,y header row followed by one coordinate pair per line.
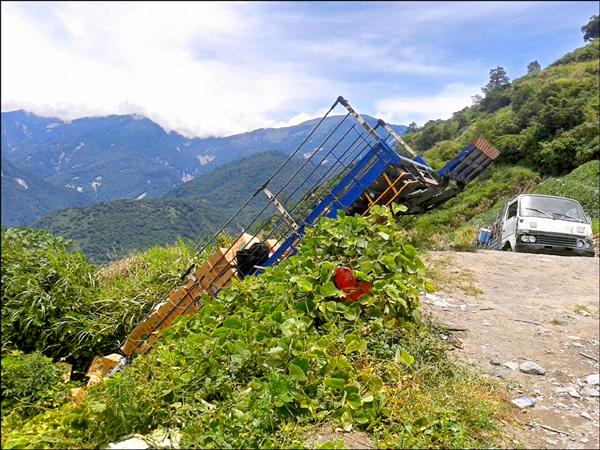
x,y
540,308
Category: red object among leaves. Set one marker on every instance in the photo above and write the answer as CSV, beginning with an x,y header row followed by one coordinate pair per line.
x,y
344,280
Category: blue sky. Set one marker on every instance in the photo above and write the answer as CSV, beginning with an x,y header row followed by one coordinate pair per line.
x,y
207,69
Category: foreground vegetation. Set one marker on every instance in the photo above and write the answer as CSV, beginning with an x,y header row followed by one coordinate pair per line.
x,y
56,302
276,356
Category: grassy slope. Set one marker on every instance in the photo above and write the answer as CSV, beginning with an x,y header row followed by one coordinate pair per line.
x,y
582,184
55,301
550,127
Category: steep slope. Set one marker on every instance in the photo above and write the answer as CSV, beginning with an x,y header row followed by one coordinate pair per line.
x,y
546,120
26,196
129,156
545,123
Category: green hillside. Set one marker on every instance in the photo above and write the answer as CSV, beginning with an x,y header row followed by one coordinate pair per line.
x,y
545,124
109,231
229,186
546,120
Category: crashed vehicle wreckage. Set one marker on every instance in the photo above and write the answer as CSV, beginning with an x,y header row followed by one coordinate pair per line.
x,y
354,167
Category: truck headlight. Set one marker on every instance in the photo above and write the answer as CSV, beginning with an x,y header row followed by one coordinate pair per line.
x,y
527,238
580,243
588,244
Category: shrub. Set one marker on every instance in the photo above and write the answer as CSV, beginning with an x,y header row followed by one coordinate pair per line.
x,y
582,184
44,286
31,384
54,301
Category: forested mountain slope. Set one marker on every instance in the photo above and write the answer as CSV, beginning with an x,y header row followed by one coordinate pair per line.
x,y
545,124
26,196
111,230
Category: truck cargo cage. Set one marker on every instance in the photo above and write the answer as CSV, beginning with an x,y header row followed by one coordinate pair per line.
x,y
344,164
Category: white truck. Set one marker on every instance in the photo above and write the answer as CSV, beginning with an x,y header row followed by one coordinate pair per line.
x,y
546,224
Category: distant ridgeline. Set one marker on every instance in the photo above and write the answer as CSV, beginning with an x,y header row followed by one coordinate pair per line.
x,y
108,231
109,158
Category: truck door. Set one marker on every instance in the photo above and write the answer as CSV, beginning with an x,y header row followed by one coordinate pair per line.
x,y
509,225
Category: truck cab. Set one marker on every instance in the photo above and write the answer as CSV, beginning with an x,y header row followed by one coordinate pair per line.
x,y
546,224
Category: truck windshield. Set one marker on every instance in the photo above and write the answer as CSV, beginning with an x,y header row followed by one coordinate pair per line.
x,y
551,207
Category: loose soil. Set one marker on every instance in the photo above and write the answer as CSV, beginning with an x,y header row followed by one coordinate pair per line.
x,y
524,307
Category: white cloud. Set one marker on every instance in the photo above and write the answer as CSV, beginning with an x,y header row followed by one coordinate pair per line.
x,y
218,68
419,109
139,58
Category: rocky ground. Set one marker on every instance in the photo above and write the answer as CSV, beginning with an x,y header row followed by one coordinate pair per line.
x,y
508,309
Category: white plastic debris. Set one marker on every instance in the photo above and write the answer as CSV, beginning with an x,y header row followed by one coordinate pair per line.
x,y
130,444
159,438
525,402
593,379
436,300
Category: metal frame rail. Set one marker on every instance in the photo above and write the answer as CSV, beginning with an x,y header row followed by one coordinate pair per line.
x,y
352,164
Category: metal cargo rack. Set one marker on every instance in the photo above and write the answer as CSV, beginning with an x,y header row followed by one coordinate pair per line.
x,y
355,166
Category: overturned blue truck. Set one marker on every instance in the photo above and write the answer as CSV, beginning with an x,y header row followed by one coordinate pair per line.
x,y
350,167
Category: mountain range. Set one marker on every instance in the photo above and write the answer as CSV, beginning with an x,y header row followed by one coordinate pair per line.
x,y
193,212
26,196
99,159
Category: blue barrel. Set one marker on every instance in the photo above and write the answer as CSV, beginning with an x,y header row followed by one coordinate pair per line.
x,y
484,236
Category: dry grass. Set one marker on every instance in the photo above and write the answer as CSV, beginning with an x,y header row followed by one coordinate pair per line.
x,y
122,268
443,272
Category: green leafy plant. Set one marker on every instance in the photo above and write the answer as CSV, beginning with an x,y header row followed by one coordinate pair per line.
x,y
280,350
56,302
31,384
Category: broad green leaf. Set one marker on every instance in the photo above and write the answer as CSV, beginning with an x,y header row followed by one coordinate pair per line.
x,y
389,262
410,250
296,372
398,208
328,289
402,356
359,345
233,323
336,383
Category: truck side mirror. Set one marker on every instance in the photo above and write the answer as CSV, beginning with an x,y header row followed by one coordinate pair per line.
x,y
588,218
